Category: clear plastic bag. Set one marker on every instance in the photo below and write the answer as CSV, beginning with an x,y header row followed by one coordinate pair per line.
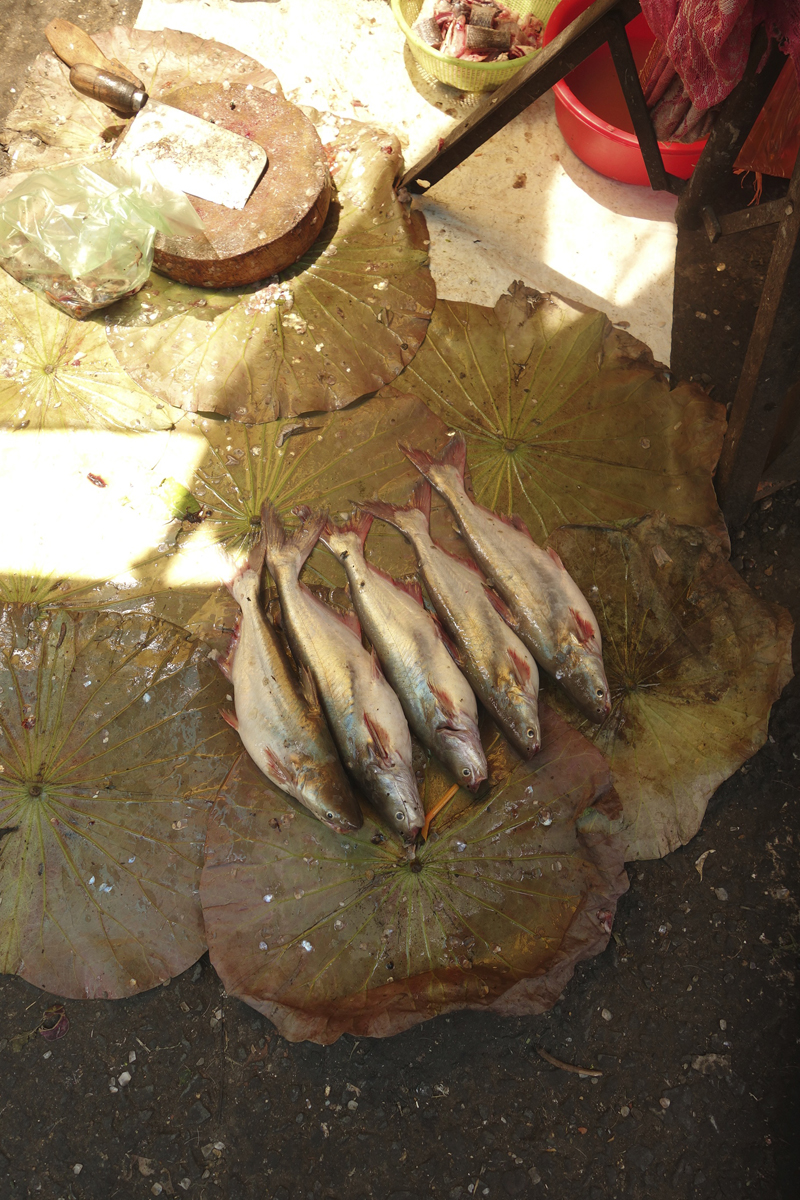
x,y
83,235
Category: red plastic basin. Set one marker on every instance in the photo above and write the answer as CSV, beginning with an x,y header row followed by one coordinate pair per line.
x,y
592,113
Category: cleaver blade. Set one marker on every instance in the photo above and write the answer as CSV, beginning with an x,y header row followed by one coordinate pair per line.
x,y
188,154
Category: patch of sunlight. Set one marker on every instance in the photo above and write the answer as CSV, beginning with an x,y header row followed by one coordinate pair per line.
x,y
86,502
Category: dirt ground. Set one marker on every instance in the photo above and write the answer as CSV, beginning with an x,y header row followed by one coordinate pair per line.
x,y
690,1014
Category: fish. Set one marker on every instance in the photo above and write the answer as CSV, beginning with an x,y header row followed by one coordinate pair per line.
x,y
439,704
549,611
499,667
363,713
477,30
281,724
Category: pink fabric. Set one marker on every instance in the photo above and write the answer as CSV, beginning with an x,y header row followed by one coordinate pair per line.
x,y
708,41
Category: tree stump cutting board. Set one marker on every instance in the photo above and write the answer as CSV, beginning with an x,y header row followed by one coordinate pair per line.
x,y
286,210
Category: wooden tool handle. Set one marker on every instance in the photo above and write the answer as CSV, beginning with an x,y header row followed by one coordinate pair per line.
x,y
73,45
108,88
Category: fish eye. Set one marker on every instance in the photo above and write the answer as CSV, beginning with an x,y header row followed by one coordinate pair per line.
x,y
466,772
329,816
601,692
531,732
399,816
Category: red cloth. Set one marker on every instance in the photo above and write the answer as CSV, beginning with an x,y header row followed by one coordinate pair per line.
x,y
708,41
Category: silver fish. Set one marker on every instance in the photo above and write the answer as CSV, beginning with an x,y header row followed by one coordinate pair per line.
x,y
550,612
498,666
410,643
284,734
363,713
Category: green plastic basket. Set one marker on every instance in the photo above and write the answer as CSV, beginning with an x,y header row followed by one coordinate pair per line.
x,y
466,76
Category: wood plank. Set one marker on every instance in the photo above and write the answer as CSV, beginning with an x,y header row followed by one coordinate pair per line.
x,y
574,44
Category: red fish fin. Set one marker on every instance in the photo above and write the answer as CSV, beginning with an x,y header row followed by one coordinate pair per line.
x,y
585,628
277,771
447,641
420,499
225,661
303,512
521,668
555,558
500,606
358,523
519,524
349,619
380,740
411,588
309,689
377,669
453,454
230,717
443,700
293,547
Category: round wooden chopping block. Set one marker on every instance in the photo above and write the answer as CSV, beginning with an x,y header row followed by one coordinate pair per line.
x,y
286,209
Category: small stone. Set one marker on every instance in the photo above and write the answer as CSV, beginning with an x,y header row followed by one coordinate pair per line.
x,y
185,1184
665,1102
156,1189
124,1079
721,893
605,1014
624,1111
534,1175
76,1170
723,1024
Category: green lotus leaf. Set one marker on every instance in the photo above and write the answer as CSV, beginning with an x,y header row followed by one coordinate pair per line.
x,y
694,660
57,373
111,749
567,420
327,934
61,117
346,318
327,461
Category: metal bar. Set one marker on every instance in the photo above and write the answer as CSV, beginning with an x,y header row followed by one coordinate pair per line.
x,y
751,218
770,366
710,178
628,74
566,51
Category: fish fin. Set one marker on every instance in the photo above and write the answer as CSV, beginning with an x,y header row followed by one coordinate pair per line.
x,y
290,549
510,519
277,771
358,522
500,606
519,524
555,558
521,668
309,689
377,669
303,512
392,514
229,717
225,661
380,740
348,619
411,588
358,525
445,639
446,705
255,559
586,631
452,454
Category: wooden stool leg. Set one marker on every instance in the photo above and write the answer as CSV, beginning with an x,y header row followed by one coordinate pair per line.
x,y
770,367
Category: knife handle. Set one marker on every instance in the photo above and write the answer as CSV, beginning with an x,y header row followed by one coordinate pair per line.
x,y
109,89
73,45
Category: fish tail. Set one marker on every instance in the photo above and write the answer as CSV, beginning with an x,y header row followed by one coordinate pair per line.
x,y
449,465
358,523
288,550
405,517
